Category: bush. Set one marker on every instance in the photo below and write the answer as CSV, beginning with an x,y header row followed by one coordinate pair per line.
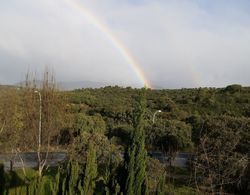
x,y
233,88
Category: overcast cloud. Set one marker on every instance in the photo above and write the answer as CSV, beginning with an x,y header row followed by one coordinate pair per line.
x,y
184,43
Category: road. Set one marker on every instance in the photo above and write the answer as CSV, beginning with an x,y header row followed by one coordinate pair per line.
x,y
54,158
30,159
180,159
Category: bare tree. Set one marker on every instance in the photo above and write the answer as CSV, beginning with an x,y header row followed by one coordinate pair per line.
x,y
43,115
218,165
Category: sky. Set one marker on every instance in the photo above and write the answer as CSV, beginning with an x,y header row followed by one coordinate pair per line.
x,y
177,43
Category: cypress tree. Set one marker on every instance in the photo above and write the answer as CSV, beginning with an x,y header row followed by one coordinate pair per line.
x,y
90,170
55,185
129,190
72,178
33,186
135,159
160,185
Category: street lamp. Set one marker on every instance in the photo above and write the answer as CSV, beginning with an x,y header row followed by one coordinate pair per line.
x,y
40,122
155,114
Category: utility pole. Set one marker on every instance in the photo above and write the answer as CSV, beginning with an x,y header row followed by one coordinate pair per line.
x,y
39,132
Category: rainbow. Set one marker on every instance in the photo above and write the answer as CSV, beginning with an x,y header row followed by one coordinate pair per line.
x,y
113,39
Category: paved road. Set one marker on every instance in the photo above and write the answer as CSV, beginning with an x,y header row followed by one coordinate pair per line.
x,y
30,159
54,158
180,160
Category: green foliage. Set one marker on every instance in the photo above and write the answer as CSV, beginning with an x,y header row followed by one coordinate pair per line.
x,y
56,186
17,183
180,190
113,119
90,174
219,159
70,178
170,136
11,119
160,186
233,88
103,147
197,123
135,161
91,124
155,172
98,159
64,180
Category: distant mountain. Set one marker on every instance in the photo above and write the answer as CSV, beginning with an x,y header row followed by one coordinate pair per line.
x,y
80,84
71,85
5,88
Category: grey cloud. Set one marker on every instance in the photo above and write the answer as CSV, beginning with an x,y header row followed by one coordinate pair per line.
x,y
177,43
187,44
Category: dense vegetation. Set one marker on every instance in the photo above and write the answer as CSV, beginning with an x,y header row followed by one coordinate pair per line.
x,y
98,127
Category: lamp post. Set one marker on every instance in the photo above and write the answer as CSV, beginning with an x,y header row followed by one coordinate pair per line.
x,y
40,123
155,114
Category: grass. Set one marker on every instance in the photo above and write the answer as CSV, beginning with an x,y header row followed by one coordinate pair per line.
x,y
180,190
18,183
178,181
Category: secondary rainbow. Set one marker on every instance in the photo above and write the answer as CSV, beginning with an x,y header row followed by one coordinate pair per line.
x,y
113,39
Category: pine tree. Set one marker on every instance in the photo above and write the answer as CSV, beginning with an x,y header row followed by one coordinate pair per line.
x,y
135,160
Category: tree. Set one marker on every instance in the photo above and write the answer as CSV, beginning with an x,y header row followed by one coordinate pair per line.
x,y
135,157
156,175
92,150
71,179
50,105
11,117
218,164
90,171
91,124
160,186
233,88
170,136
177,136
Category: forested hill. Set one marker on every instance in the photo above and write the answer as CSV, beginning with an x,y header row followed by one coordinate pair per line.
x,y
211,125
233,100
187,112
